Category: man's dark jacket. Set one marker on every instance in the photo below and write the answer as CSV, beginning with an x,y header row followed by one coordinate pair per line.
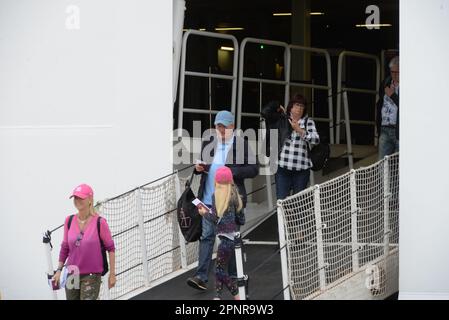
x,y
380,103
241,160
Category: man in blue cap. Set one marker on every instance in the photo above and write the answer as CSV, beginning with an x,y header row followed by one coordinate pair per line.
x,y
234,152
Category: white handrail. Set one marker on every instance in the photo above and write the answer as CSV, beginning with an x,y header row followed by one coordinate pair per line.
x,y
348,131
179,6
184,72
259,80
330,120
340,88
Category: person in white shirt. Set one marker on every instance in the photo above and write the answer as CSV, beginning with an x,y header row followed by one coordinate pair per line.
x,y
388,112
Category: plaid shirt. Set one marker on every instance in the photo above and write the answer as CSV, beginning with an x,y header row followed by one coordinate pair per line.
x,y
294,151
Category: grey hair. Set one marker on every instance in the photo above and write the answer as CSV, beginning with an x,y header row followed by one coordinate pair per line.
x,y
394,62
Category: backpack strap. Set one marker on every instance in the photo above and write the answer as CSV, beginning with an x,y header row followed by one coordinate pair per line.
x,y
189,182
98,230
69,223
103,250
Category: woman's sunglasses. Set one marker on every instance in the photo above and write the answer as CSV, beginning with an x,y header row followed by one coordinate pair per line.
x,y
79,238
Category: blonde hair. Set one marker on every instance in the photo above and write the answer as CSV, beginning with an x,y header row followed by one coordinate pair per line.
x,y
91,206
226,193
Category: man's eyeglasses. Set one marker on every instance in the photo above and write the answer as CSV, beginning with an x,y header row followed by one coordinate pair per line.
x,y
79,238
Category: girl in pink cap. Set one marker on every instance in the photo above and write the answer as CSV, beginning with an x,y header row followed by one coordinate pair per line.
x,y
86,238
226,208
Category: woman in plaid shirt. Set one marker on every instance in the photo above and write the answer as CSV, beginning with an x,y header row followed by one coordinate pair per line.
x,y
295,131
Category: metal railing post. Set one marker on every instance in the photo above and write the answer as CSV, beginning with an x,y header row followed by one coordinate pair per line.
x,y
312,178
354,213
267,174
387,196
179,7
287,75
182,243
269,192
283,248
241,277
319,238
50,270
139,208
339,84
348,131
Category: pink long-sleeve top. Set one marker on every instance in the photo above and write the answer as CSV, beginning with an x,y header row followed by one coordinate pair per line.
x,y
87,256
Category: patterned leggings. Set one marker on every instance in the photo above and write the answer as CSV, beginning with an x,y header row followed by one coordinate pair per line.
x,y
224,254
86,288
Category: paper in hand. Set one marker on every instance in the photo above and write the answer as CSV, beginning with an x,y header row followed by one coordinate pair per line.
x,y
199,204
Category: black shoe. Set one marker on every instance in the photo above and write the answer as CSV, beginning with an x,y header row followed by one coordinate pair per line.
x,y
197,283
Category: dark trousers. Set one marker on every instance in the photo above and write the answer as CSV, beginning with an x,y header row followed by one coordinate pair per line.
x,y
206,248
288,180
225,252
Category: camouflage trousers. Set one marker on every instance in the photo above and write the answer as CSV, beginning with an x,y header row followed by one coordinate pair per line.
x,y
88,289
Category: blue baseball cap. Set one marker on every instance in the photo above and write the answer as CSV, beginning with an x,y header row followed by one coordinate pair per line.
x,y
225,118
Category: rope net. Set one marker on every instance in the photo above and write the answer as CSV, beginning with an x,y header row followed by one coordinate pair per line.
x,y
146,215
334,231
342,228
122,217
161,229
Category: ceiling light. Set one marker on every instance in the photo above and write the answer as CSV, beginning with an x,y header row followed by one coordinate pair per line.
x,y
228,29
227,48
373,25
280,14
202,29
317,13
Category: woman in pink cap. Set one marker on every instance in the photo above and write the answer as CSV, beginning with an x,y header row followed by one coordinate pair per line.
x,y
226,208
86,238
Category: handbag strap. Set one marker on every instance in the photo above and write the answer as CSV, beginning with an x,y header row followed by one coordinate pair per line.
x,y
305,128
189,182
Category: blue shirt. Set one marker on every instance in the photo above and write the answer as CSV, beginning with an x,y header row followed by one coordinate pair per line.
x,y
221,153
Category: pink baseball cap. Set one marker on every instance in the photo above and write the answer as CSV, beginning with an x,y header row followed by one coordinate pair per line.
x,y
223,175
82,191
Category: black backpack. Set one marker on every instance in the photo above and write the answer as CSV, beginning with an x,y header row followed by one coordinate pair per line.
x,y
319,154
103,250
189,220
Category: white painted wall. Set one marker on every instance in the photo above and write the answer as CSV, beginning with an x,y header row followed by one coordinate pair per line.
x,y
424,172
91,105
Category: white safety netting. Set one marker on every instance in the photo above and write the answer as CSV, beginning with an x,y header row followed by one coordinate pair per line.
x,y
161,229
345,227
145,231
126,236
